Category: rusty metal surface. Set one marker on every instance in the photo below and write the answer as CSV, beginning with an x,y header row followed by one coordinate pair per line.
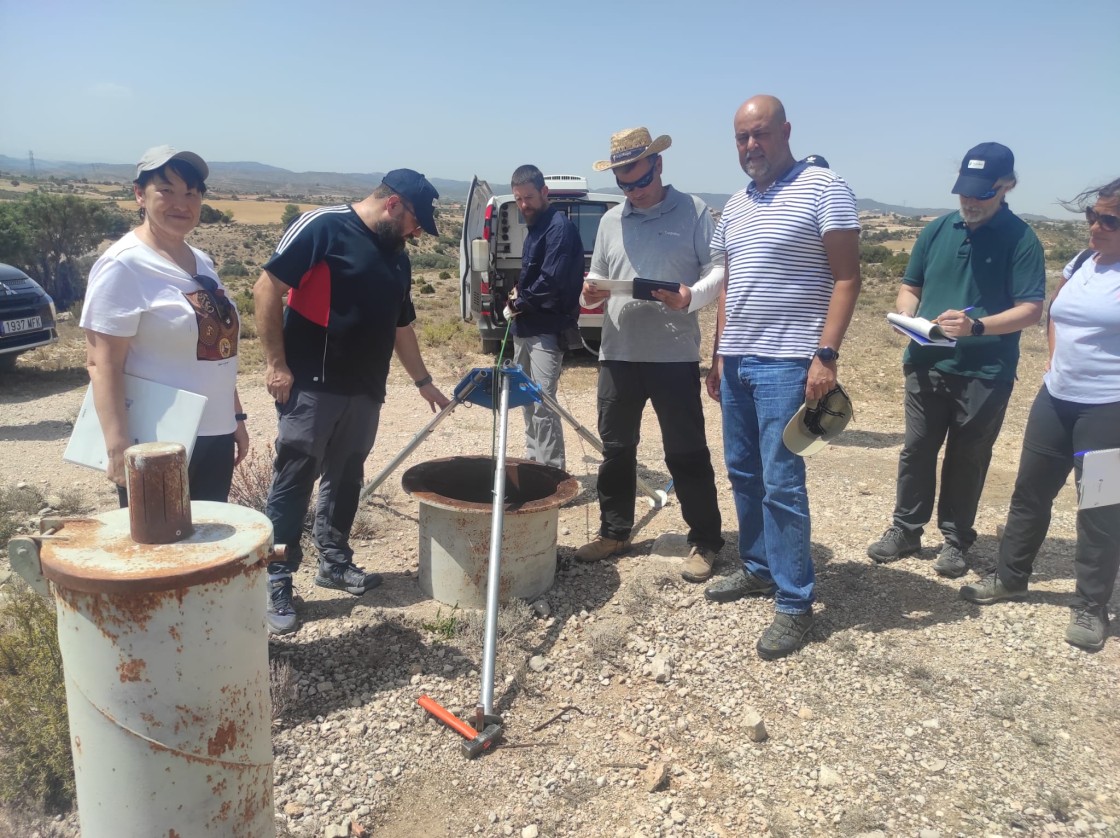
x,y
99,555
465,483
159,502
165,656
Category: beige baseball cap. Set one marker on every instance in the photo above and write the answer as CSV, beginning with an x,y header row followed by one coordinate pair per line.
x,y
818,422
158,156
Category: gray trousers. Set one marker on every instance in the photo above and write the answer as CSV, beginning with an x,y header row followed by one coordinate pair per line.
x,y
541,358
326,437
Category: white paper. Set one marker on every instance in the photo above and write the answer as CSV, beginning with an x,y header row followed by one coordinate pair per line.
x,y
919,329
156,413
615,286
1100,479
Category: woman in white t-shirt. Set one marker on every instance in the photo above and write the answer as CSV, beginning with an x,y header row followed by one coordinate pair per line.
x,y
155,309
1076,411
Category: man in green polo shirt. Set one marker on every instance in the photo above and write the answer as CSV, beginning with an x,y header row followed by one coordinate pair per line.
x,y
979,273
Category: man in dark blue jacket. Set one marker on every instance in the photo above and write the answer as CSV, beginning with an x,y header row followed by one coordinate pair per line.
x,y
545,306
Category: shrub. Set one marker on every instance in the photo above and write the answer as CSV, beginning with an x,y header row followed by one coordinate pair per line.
x,y
444,275
251,481
209,215
291,213
233,268
36,766
427,288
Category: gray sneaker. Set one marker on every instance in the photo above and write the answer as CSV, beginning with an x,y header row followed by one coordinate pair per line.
x,y
1088,627
280,614
990,589
950,563
894,544
346,577
738,585
784,636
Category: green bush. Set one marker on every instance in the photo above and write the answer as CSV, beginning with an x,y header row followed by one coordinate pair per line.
x,y
36,766
232,268
209,215
431,260
291,213
427,288
444,275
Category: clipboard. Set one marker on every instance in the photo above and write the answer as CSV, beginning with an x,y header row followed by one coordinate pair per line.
x,y
156,413
1100,479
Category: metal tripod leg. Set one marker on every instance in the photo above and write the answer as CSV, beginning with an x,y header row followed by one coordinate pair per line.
x,y
493,575
457,400
657,497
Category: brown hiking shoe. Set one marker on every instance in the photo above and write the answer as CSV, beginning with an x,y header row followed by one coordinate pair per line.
x,y
602,548
698,566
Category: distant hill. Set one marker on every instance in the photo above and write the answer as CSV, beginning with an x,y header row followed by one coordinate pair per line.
x,y
261,178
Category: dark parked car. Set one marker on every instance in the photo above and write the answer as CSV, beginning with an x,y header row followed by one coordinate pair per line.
x,y
27,315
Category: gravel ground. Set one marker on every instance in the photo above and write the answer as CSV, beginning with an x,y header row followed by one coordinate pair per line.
x,y
634,707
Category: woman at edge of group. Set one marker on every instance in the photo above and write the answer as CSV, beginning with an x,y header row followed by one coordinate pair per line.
x,y
1076,410
155,308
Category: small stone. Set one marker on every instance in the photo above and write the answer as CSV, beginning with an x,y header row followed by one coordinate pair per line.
x,y
656,777
863,488
538,663
661,668
530,831
756,728
293,810
542,609
337,830
929,833
827,778
805,713
934,766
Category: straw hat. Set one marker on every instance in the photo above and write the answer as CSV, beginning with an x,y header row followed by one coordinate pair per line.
x,y
632,145
817,423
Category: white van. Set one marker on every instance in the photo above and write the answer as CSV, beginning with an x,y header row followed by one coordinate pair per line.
x,y
490,252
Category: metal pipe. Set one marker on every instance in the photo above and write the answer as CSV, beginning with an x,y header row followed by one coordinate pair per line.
x,y
456,400
494,572
657,497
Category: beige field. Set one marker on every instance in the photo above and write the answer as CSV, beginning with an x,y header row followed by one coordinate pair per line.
x,y
244,212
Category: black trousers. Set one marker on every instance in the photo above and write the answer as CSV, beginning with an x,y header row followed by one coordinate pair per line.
x,y
674,390
210,471
965,414
1057,433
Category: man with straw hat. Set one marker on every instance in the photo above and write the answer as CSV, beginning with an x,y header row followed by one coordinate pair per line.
x,y
650,352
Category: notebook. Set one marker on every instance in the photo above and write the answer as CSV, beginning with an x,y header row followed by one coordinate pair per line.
x,y
156,413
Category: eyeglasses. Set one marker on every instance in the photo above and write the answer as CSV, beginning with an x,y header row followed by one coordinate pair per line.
x,y
987,196
642,182
216,294
1107,222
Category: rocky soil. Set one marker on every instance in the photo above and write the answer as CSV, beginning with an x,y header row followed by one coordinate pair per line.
x,y
633,706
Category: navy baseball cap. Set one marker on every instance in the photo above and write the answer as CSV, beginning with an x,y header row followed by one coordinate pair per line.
x,y
982,167
414,188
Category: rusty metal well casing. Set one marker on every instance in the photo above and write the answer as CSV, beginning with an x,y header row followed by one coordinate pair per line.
x,y
166,662
455,516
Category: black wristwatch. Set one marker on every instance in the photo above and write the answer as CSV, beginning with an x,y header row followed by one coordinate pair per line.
x,y
240,417
977,327
827,353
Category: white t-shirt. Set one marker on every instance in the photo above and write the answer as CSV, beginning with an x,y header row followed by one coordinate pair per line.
x,y
182,335
1086,314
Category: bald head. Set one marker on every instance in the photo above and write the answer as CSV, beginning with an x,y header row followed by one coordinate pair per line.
x,y
762,138
767,107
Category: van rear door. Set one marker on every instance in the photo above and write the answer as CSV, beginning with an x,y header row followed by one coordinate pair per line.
x,y
474,218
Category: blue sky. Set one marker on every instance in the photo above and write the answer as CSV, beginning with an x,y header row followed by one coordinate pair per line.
x,y
892,94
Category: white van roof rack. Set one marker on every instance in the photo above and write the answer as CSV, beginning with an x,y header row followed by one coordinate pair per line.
x,y
566,184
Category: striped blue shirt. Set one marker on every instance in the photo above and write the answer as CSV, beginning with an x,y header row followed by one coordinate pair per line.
x,y
779,283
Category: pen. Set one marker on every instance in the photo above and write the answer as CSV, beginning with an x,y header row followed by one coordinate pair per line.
x,y
963,311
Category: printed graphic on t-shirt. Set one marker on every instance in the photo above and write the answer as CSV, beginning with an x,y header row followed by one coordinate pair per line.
x,y
218,325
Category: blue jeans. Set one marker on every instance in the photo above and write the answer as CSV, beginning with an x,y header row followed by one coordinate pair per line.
x,y
758,397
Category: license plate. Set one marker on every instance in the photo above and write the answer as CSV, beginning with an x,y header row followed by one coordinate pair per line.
x,y
23,324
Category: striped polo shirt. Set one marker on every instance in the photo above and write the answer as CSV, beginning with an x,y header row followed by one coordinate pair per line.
x,y
779,283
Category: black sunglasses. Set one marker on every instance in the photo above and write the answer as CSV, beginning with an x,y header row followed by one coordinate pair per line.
x,y
1107,222
642,182
218,295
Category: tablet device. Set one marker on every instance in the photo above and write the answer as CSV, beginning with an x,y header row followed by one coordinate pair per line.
x,y
644,288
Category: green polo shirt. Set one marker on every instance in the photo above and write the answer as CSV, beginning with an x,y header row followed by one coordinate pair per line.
x,y
991,269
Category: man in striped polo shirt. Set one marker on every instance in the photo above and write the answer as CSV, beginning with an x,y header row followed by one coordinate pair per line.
x,y
791,244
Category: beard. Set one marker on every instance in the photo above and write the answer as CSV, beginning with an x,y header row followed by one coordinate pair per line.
x,y
389,234
757,169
